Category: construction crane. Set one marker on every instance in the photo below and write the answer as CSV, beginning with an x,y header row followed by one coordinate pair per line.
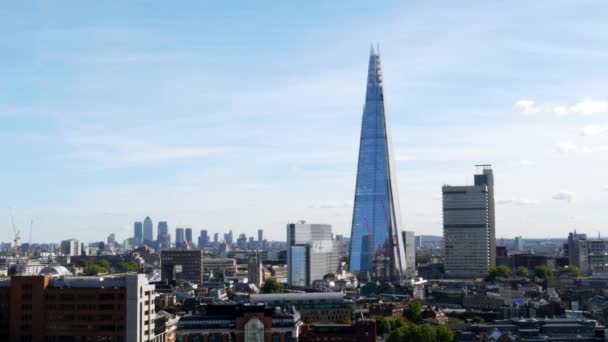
x,y
29,243
17,235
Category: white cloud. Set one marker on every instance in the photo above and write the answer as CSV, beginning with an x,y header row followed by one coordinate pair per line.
x,y
586,106
526,162
518,201
405,157
120,150
589,106
526,107
566,147
594,131
564,195
331,205
560,110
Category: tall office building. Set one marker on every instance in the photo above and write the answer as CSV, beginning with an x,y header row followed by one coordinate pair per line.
x,y
519,243
50,308
468,227
162,236
375,246
148,229
588,254
409,242
203,239
138,232
229,237
260,236
179,238
71,247
189,236
311,253
216,238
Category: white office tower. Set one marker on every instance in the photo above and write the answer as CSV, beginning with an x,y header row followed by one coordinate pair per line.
x,y
71,247
312,253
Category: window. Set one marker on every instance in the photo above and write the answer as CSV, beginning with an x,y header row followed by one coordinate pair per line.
x,y
254,330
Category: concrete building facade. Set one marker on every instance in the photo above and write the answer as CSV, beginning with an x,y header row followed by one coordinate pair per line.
x,y
43,308
469,228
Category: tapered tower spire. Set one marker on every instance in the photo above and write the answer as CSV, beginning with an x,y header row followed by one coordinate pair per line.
x,y
376,247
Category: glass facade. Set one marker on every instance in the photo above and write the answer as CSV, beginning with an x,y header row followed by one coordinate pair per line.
x,y
298,266
375,245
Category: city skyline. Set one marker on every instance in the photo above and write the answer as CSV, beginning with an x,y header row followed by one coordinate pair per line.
x,y
107,118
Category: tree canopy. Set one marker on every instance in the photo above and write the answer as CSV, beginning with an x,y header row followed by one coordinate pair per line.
x,y
570,271
421,333
521,271
498,271
272,286
413,313
542,271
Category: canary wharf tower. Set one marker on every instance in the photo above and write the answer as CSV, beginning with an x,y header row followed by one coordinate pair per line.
x,y
375,246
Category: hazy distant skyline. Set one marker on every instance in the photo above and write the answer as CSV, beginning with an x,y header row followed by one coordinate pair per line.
x,y
247,116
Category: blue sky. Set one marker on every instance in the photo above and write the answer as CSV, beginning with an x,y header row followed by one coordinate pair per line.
x,y
241,115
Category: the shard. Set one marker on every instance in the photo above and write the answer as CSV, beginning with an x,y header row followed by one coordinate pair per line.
x,y
375,248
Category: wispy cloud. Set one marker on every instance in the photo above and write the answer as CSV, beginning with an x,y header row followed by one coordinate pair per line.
x,y
564,195
567,146
117,150
518,201
594,131
331,205
526,162
526,107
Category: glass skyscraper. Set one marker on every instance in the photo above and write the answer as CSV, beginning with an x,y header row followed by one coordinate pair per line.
x,y
375,245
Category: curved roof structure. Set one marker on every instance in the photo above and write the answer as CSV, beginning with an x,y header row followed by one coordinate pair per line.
x,y
55,271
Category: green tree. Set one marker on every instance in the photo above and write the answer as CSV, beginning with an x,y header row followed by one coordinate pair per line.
x,y
230,293
477,319
542,271
272,286
444,334
570,271
498,271
521,271
423,256
421,333
413,313
128,266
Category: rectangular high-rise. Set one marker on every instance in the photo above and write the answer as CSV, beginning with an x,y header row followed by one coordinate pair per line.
x,y
189,236
71,247
138,232
179,238
311,253
469,227
203,239
409,244
163,238
376,249
108,308
148,229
